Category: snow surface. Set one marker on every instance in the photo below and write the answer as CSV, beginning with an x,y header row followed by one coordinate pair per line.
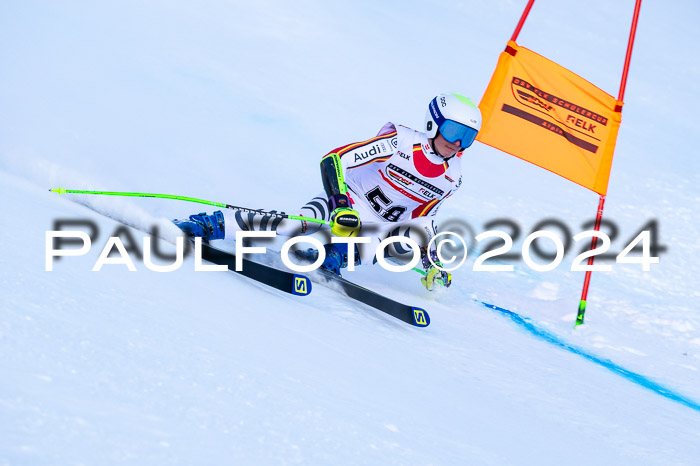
x,y
235,102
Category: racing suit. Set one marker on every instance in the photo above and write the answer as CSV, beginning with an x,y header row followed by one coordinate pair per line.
x,y
395,181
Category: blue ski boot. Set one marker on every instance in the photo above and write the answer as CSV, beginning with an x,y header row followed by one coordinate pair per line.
x,y
337,257
207,227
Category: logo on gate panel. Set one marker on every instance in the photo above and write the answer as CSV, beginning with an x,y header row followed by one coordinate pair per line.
x,y
420,317
567,116
302,285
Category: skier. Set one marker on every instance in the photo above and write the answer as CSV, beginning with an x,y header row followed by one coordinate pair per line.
x,y
392,184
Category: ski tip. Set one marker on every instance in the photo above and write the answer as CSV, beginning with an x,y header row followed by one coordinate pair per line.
x,y
420,317
302,285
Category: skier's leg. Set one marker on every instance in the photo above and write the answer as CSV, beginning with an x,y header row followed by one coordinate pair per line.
x,y
315,208
337,253
419,230
366,253
220,225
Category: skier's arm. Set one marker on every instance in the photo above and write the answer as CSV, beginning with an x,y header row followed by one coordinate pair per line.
x,y
345,221
333,166
334,181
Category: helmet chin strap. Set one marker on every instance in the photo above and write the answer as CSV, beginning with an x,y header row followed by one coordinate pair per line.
x,y
431,142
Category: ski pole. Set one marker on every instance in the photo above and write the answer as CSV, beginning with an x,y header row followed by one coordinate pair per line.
x,y
193,199
414,269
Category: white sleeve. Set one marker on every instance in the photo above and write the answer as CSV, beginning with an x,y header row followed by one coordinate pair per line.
x,y
379,149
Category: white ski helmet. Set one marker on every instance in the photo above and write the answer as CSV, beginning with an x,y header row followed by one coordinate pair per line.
x,y
455,116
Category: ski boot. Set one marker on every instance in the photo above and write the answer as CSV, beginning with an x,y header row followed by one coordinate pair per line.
x,y
337,257
207,227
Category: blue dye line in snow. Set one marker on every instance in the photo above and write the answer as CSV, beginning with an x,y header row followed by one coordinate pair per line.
x,y
619,370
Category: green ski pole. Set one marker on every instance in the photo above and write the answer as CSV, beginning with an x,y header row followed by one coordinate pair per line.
x,y
193,199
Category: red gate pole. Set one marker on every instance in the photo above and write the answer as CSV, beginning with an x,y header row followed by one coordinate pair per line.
x,y
628,56
587,279
601,203
522,20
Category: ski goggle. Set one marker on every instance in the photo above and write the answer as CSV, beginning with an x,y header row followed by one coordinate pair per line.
x,y
453,132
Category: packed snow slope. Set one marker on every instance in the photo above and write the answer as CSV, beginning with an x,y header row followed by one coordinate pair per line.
x,y
236,103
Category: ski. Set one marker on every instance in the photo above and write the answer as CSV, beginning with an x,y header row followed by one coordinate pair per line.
x,y
301,285
288,282
409,314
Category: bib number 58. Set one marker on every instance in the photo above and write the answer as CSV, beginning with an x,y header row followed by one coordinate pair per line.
x,y
382,205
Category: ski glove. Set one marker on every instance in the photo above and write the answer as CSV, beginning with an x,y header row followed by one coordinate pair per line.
x,y
433,275
345,222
